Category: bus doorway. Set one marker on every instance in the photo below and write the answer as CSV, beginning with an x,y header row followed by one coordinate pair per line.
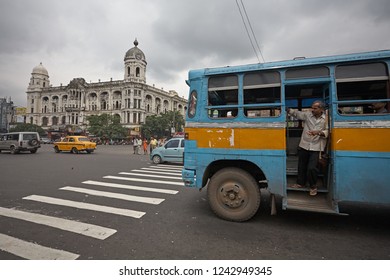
x,y
301,97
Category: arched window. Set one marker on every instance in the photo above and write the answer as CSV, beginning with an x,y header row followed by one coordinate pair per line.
x,y
137,72
128,71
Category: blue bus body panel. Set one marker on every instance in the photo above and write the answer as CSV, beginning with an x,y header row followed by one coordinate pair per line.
x,y
362,177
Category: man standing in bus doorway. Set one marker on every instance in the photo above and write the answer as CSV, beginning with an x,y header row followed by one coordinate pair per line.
x,y
313,141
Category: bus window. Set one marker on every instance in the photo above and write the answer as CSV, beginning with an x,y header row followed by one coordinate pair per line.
x,y
223,92
262,93
362,89
192,107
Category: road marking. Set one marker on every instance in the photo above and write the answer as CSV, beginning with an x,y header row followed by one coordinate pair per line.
x,y
147,170
32,251
88,206
167,167
128,187
148,175
149,200
64,224
145,180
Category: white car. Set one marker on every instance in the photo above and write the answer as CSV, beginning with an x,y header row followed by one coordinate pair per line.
x,y
172,151
16,142
45,140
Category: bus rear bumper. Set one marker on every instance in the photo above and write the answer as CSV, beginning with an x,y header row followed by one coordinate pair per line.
x,y
189,178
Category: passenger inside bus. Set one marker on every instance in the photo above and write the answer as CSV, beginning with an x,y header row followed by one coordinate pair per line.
x,y
379,107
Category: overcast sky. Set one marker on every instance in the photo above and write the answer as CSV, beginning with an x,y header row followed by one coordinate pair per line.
x,y
89,38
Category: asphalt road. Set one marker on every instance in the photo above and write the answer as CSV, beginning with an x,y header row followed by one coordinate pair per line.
x,y
179,225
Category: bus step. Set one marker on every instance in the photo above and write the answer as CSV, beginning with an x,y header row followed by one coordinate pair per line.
x,y
304,202
292,171
320,189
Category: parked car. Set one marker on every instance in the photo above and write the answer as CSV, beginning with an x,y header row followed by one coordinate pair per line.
x,y
75,144
16,142
45,140
171,151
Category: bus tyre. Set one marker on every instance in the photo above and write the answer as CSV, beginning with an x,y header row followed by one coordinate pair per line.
x,y
233,194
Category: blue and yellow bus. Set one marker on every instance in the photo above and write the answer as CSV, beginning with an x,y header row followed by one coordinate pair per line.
x,y
239,138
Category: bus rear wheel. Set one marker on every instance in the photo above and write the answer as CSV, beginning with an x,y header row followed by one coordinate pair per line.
x,y
233,194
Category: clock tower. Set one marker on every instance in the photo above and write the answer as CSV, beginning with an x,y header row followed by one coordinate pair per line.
x,y
135,65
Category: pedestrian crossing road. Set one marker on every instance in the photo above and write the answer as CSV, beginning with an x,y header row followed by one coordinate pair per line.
x,y
166,176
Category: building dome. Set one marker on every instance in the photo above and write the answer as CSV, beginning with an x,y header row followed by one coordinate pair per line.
x,y
135,52
40,70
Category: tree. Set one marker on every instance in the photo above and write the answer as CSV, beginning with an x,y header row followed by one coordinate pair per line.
x,y
28,127
106,126
161,125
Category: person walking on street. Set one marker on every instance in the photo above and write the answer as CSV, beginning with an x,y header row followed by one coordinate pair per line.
x,y
153,144
145,146
136,145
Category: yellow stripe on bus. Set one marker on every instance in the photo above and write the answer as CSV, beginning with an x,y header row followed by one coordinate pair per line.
x,y
361,139
239,138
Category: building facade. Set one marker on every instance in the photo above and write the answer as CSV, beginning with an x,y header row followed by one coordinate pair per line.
x,y
60,107
7,113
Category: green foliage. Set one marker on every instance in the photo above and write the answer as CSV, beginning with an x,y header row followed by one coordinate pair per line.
x,y
161,125
28,127
106,126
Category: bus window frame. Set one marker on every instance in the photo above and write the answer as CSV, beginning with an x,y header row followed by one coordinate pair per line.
x,y
220,112
264,109
340,105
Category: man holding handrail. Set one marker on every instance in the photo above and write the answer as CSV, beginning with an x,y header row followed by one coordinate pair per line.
x,y
313,141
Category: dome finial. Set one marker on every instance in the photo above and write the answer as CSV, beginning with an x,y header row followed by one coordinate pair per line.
x,y
135,42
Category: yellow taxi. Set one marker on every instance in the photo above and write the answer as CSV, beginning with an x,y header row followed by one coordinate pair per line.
x,y
75,144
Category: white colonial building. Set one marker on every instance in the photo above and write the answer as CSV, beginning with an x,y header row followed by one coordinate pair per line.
x,y
64,107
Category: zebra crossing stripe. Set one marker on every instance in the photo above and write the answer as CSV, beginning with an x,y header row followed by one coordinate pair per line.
x,y
32,251
129,187
152,176
167,167
150,170
87,206
145,180
94,231
149,200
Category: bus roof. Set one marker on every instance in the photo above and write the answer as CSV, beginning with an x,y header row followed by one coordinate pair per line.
x,y
292,63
